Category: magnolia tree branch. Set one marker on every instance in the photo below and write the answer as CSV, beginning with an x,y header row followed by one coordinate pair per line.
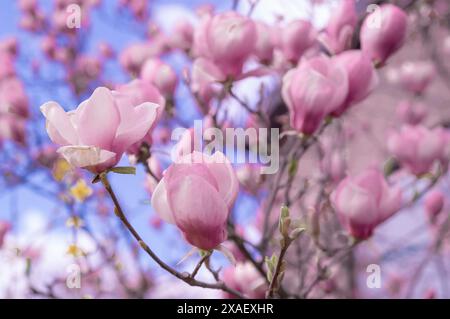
x,y
189,279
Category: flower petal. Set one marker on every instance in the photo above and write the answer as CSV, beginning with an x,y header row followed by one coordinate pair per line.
x,y
85,156
202,217
99,120
160,203
135,123
220,168
59,126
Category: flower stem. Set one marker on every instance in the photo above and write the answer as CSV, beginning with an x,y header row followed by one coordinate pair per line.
x,y
186,278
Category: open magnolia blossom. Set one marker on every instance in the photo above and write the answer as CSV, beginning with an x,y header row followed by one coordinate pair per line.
x,y
196,194
101,129
365,201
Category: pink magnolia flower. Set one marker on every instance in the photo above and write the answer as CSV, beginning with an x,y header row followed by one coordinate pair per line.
x,y
183,35
246,279
13,127
383,32
28,5
106,50
430,294
88,66
417,147
434,203
135,55
140,92
156,169
5,227
161,75
362,78
339,31
250,177
7,63
13,98
32,22
49,46
156,222
10,45
264,42
415,77
201,218
46,155
312,90
411,112
365,201
204,75
100,130
297,37
139,8
86,69
230,39
199,42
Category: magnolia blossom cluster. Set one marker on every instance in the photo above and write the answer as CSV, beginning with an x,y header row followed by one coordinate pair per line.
x,y
315,86
14,104
320,89
63,31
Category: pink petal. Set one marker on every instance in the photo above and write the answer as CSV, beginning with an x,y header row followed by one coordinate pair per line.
x,y
196,168
59,126
160,203
201,216
135,123
99,120
220,168
85,156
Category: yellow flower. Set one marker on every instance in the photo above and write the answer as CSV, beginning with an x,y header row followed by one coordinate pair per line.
x,y
74,250
60,169
75,222
80,191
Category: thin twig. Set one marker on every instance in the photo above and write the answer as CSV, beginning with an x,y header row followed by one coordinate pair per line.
x,y
186,278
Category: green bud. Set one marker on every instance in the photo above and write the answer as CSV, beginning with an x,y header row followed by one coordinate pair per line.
x,y
284,221
128,170
295,233
293,167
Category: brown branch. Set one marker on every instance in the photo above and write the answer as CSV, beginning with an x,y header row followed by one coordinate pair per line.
x,y
186,278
